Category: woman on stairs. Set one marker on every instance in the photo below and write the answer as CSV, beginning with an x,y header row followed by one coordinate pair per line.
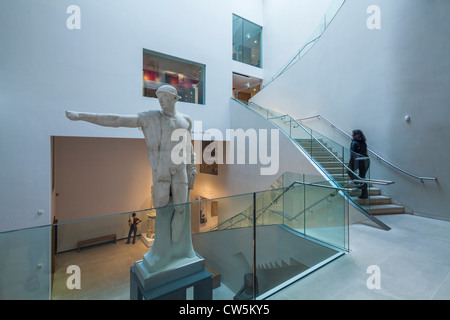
x,y
359,161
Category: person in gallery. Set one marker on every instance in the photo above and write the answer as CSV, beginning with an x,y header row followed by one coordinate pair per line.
x,y
133,223
359,161
171,181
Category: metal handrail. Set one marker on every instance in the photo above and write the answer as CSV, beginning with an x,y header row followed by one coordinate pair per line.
x,y
321,144
356,205
262,210
320,117
371,181
298,54
290,62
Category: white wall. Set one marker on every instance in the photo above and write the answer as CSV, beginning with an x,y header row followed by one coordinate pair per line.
x,y
100,176
47,69
287,26
109,177
372,79
247,178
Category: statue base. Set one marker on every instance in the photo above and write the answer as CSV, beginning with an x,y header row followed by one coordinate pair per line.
x,y
172,282
181,269
147,241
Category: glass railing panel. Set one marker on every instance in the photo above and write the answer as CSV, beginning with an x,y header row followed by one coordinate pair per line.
x,y
294,131
332,11
282,122
326,215
262,111
332,157
232,212
105,267
228,249
300,134
25,264
294,206
287,250
314,206
342,154
103,264
329,15
317,180
275,113
277,250
266,113
270,207
334,147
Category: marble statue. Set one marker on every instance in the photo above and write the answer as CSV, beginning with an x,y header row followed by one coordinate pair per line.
x,y
171,182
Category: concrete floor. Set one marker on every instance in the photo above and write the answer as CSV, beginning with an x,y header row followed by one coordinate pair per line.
x,y
105,273
413,260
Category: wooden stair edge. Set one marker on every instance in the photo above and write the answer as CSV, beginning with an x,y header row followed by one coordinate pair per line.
x,y
386,209
215,275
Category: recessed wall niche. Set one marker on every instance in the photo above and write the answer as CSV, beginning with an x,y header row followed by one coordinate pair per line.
x,y
186,76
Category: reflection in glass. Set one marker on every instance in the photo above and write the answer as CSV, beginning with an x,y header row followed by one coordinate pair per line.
x,y
262,242
246,41
187,76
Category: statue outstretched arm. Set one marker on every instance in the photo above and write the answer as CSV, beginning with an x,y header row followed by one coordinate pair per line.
x,y
106,120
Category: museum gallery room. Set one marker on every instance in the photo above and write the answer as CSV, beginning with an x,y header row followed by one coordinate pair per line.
x,y
224,150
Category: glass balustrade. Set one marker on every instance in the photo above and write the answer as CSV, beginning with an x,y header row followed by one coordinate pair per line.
x,y
333,9
270,238
332,158
298,223
25,264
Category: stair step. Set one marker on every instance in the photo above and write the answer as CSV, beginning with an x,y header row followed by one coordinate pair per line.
x,y
314,148
330,164
340,175
373,200
324,158
337,170
309,141
322,153
372,192
214,275
385,209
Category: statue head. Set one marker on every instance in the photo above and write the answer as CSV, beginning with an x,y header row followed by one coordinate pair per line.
x,y
167,96
169,90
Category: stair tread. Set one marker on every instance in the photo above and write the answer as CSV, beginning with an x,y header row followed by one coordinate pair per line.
x,y
385,206
385,209
375,197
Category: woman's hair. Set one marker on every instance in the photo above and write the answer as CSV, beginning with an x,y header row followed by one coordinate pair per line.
x,y
358,135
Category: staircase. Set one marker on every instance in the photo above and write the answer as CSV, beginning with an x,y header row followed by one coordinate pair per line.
x,y
331,157
376,204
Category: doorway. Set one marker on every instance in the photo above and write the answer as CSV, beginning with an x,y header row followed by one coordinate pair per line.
x,y
245,87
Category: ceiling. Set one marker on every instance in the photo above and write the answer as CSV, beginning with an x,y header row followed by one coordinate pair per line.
x,y
243,82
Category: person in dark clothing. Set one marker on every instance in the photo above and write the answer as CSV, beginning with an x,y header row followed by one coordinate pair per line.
x,y
133,222
359,161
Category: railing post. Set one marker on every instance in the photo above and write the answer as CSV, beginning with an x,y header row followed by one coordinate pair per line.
x,y
254,245
290,127
304,206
